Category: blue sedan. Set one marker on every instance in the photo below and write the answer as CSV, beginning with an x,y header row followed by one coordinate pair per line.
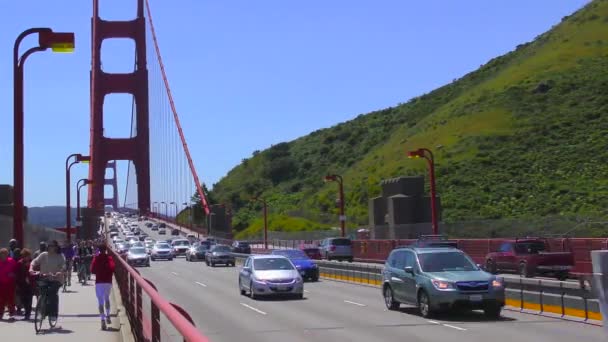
x,y
307,268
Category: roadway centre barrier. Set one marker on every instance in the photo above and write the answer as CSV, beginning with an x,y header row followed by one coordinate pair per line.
x,y
568,300
154,328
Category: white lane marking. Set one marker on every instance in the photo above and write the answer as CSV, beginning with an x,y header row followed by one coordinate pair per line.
x,y
454,327
306,291
201,284
433,322
254,309
175,274
354,303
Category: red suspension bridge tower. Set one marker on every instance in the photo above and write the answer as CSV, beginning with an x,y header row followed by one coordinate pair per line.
x,y
136,148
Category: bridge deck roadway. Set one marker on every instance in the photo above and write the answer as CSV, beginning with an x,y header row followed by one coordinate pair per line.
x,y
334,311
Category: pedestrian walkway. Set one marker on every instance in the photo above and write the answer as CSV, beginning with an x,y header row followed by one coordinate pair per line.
x,y
78,320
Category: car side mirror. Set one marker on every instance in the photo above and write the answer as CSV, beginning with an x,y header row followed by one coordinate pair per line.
x,y
246,268
409,269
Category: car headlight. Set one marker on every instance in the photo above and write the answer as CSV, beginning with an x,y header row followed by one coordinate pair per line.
x,y
298,266
299,279
442,285
497,283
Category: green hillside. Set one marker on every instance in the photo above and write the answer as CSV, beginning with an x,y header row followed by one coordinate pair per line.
x,y
525,135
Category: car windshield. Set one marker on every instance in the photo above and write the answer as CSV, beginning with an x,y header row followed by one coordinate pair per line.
x,y
267,264
221,249
181,243
292,254
243,244
445,262
162,246
202,248
137,251
341,242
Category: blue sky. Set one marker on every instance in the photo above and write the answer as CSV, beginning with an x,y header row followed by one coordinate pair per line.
x,y
248,74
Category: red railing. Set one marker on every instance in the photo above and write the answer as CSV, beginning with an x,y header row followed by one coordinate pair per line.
x,y
149,327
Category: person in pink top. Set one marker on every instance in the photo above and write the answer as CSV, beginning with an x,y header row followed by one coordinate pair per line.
x,y
8,268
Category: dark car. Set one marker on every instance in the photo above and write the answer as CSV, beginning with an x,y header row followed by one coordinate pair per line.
x,y
241,247
529,257
175,232
219,254
196,253
305,266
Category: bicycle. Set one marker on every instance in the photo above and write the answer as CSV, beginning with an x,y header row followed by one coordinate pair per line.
x,y
42,304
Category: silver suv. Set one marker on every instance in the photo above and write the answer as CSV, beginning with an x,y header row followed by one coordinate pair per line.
x,y
337,249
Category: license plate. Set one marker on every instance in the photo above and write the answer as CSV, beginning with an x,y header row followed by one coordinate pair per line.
x,y
476,298
281,288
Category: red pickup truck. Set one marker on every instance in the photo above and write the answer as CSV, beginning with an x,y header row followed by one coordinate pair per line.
x,y
529,257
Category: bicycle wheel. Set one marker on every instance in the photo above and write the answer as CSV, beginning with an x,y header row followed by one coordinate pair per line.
x,y
39,313
52,321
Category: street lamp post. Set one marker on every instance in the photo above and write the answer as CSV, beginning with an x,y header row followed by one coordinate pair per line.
x,y
177,223
338,178
79,186
265,211
166,210
155,209
428,155
58,42
68,210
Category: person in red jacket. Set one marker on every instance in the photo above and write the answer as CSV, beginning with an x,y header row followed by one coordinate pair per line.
x,y
8,267
25,282
103,269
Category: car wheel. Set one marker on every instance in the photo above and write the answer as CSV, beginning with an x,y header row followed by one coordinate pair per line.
x,y
207,262
212,264
524,271
300,296
153,259
492,311
424,305
490,266
243,292
389,300
170,259
561,276
251,293
315,278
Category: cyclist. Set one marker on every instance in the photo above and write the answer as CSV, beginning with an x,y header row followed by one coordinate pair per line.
x,y
85,254
50,266
103,268
68,253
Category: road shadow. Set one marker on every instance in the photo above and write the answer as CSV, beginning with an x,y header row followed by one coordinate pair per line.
x,y
112,329
56,330
462,316
282,298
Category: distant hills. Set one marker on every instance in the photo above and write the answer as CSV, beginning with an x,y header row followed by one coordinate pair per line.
x,y
51,216
525,135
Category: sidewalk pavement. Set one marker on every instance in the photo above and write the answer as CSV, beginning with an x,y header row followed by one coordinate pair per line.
x,y
78,319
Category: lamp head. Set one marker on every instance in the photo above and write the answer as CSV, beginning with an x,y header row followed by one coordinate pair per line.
x,y
62,42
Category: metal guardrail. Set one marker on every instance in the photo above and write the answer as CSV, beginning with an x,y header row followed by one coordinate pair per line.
x,y
148,328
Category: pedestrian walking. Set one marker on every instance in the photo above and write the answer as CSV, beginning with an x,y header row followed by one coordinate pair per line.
x,y
103,269
41,249
12,245
8,266
25,282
